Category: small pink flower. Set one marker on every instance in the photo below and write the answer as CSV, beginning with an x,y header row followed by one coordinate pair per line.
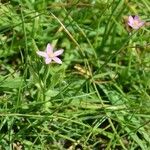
x,y
135,22
49,55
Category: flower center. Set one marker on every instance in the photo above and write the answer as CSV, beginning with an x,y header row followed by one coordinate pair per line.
x,y
51,55
136,23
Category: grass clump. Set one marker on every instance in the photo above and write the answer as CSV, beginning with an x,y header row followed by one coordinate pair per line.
x,y
98,98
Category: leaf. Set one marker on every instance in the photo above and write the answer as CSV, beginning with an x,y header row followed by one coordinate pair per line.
x,y
11,83
51,93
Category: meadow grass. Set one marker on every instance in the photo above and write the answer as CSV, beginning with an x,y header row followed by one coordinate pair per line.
x,y
97,99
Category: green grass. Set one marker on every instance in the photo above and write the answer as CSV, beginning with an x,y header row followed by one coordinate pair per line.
x,y
99,98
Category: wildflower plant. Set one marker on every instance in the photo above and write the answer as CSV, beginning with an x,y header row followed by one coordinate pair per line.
x,y
49,55
135,22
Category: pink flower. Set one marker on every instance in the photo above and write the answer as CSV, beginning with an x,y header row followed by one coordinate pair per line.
x,y
135,22
49,55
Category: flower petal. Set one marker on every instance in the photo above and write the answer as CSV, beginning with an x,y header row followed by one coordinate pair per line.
x,y
130,19
43,54
59,52
135,27
48,60
130,24
49,49
141,23
136,18
57,60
